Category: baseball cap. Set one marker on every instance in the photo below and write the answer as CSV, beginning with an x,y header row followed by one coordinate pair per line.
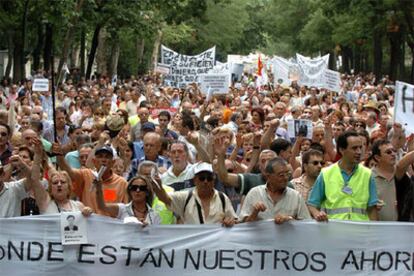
x,y
203,167
148,126
105,148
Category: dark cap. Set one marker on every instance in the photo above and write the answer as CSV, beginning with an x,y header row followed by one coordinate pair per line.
x,y
105,148
148,126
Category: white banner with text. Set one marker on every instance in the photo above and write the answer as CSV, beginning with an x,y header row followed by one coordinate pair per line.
x,y
186,69
33,246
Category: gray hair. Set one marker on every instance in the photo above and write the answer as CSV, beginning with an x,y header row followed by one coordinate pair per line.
x,y
272,162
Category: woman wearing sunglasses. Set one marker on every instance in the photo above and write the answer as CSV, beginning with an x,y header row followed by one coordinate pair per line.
x,y
141,197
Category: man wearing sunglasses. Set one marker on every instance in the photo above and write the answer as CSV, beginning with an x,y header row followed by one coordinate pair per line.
x,y
312,163
201,205
393,183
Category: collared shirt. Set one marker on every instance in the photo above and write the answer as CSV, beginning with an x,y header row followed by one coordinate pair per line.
x,y
387,194
49,135
291,203
161,161
190,214
317,194
169,177
10,198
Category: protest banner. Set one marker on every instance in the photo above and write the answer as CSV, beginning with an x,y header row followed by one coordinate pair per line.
x,y
312,70
162,69
40,85
404,105
186,69
32,246
332,80
284,71
215,83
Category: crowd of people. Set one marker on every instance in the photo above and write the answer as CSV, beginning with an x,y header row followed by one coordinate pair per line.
x,y
165,155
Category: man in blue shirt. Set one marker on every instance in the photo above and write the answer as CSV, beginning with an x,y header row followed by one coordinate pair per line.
x,y
349,145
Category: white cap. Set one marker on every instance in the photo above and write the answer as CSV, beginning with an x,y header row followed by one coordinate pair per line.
x,y
203,167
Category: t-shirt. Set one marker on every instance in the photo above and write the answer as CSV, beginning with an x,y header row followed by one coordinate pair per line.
x,y
11,197
114,189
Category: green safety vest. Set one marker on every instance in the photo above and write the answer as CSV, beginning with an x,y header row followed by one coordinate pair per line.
x,y
346,206
167,217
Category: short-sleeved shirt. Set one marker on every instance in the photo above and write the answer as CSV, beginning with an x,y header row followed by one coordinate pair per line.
x,y
72,158
114,189
317,195
169,177
11,197
190,214
291,204
387,193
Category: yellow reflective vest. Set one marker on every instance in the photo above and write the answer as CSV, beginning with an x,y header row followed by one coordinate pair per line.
x,y
346,201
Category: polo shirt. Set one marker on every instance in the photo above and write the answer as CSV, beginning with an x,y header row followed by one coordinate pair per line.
x,y
169,177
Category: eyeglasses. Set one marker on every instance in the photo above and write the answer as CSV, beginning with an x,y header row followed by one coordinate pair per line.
x,y
208,177
138,188
315,163
359,125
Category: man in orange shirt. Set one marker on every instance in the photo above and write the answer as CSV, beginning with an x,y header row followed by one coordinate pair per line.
x,y
114,186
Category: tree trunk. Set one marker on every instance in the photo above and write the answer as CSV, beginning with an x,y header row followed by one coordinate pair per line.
x,y
9,55
47,53
113,68
101,54
395,51
140,54
346,59
22,56
82,52
17,59
38,49
401,74
92,52
154,57
378,54
68,40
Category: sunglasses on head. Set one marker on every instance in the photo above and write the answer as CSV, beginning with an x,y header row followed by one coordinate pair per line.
x,y
138,188
203,177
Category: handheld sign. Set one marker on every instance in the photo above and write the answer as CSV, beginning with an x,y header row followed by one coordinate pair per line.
x,y
40,85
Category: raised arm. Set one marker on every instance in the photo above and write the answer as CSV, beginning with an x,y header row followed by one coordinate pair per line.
x,y
406,161
160,191
228,179
41,195
202,154
269,135
111,208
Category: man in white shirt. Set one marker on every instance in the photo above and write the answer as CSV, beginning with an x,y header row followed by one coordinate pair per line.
x,y
12,193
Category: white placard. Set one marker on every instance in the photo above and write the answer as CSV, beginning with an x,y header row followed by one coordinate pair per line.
x,y
40,85
332,80
404,105
73,228
215,83
162,69
284,71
